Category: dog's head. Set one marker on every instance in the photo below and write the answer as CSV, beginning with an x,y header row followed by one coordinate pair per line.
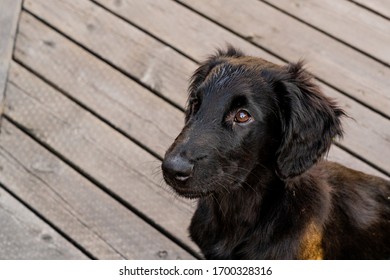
x,y
243,113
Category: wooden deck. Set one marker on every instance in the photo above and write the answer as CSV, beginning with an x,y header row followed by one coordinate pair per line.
x,y
95,93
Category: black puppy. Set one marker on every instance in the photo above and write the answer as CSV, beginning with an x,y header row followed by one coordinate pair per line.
x,y
251,150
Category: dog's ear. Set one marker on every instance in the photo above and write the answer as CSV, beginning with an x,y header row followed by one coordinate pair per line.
x,y
309,121
204,70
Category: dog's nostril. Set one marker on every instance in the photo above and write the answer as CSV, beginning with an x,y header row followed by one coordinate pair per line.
x,y
178,167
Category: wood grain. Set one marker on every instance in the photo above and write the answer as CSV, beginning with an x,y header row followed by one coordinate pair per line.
x,y
99,151
82,211
333,62
366,133
192,33
24,236
131,50
382,7
9,14
338,155
105,91
346,21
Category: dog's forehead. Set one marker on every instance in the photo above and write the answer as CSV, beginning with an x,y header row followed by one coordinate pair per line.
x,y
235,73
252,62
225,74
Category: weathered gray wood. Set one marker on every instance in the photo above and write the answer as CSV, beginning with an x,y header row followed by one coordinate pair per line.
x,y
346,21
24,236
9,14
169,20
380,6
87,215
110,94
130,49
101,152
338,155
366,134
337,64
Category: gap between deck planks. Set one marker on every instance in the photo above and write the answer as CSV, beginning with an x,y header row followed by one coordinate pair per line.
x,y
76,207
345,21
367,142
9,14
24,236
93,148
94,28
382,7
125,104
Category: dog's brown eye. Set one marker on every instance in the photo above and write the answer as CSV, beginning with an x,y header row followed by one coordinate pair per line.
x,y
242,116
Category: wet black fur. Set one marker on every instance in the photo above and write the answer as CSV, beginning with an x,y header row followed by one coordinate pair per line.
x,y
261,184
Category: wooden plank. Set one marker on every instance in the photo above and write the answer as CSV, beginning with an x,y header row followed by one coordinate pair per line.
x,y
346,21
99,151
382,7
338,155
9,14
108,93
130,49
162,17
365,136
24,236
82,211
366,133
346,69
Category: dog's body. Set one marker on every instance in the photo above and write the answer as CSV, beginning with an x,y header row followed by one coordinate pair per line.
x,y
251,151
319,216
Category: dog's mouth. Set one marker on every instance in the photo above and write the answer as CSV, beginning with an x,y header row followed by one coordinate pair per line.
x,y
183,188
191,194
201,186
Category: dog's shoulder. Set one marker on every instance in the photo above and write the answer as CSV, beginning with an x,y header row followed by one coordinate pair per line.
x,y
352,184
360,208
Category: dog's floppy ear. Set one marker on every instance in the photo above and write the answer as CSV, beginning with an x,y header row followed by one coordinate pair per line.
x,y
204,69
309,121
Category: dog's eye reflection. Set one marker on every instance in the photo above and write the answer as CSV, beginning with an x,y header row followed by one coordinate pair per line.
x,y
242,116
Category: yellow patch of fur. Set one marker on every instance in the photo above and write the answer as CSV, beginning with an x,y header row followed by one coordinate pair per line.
x,y
311,244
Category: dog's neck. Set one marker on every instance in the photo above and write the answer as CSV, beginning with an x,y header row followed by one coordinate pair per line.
x,y
277,211
265,195
244,202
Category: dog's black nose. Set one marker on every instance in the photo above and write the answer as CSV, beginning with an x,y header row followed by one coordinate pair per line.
x,y
177,167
